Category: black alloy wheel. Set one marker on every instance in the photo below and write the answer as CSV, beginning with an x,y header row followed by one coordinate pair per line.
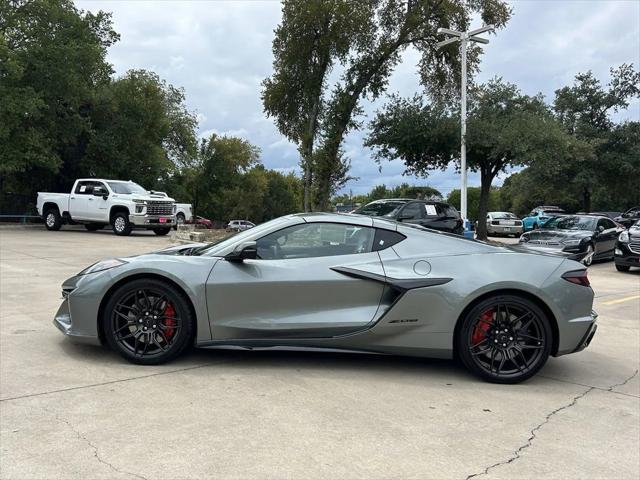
x,y
148,322
505,339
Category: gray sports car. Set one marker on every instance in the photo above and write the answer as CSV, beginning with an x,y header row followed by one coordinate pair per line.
x,y
332,281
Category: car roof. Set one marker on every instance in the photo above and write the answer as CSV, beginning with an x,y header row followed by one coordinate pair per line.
x,y
384,200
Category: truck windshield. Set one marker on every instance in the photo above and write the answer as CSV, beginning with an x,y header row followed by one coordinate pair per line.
x,y
126,188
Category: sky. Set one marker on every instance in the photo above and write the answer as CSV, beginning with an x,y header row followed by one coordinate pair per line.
x,y
220,51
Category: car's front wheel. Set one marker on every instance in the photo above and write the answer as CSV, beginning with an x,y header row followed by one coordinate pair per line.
x,y
121,224
504,339
148,321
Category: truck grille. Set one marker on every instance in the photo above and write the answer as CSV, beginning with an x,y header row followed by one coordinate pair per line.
x,y
634,245
159,208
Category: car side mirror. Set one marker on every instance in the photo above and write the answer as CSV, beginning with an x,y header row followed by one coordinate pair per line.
x,y
98,192
244,251
600,229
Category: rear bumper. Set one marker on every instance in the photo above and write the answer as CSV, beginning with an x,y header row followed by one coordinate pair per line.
x,y
577,334
505,229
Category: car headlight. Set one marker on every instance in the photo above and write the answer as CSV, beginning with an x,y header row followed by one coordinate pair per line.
x,y
103,265
571,241
137,200
624,237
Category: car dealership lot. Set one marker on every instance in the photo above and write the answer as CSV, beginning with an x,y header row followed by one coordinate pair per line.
x,y
70,411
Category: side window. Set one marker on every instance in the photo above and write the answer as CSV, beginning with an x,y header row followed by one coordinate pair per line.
x,y
98,186
606,223
412,211
315,240
385,239
84,188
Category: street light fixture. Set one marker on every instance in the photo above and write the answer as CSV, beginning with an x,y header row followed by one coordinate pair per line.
x,y
463,38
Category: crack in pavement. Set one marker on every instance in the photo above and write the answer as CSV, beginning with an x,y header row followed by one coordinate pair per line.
x,y
534,431
96,453
110,382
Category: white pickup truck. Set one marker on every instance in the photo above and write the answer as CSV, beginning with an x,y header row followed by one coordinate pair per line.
x,y
96,203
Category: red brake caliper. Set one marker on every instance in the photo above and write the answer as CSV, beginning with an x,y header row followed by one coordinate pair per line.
x,y
480,331
170,320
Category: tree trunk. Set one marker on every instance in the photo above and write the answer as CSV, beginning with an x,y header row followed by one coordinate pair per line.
x,y
307,153
485,189
586,199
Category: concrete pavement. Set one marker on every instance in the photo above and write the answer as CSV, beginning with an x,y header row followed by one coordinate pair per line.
x,y
69,411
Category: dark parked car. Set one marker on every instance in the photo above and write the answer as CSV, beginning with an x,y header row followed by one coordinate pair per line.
x,y
582,237
435,215
611,215
629,217
627,253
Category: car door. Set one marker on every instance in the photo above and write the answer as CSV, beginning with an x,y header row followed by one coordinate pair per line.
x,y
606,239
79,200
412,212
97,205
295,288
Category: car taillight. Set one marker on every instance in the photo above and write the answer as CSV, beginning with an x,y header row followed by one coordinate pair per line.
x,y
579,277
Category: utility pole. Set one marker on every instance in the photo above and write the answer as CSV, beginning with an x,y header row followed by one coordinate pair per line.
x,y
463,38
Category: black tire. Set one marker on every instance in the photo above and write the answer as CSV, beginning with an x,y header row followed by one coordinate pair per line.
x,y
179,220
93,227
161,231
121,225
133,320
622,268
524,345
52,219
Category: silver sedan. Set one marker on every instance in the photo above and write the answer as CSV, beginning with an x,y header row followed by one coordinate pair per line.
x,y
331,281
503,223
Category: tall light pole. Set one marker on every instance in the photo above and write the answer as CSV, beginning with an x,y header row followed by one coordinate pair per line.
x,y
463,38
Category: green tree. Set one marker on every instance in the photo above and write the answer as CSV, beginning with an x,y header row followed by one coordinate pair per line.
x,y
473,201
313,35
52,59
390,28
584,109
506,129
141,129
399,24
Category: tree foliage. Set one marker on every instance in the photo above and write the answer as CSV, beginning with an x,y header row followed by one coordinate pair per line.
x,y
506,129
388,28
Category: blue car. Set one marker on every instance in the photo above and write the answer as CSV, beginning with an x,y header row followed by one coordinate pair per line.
x,y
539,216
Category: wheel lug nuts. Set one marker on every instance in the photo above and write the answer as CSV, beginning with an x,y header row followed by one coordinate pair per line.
x,y
495,341
504,344
145,328
155,317
154,326
510,338
140,321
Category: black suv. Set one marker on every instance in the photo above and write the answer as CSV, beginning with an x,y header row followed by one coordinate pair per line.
x,y
436,215
629,217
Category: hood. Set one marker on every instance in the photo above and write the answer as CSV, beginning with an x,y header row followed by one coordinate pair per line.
x,y
150,197
178,249
543,235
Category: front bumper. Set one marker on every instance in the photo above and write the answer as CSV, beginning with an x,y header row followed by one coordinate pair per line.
x,y
625,257
152,221
63,322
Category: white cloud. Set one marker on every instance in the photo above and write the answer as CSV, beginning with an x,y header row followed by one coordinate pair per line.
x,y
221,51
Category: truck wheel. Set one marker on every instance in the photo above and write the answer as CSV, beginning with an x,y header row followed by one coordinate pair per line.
x,y
161,231
52,219
179,220
93,227
121,224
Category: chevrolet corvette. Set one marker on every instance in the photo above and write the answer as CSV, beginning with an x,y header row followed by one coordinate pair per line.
x,y
338,281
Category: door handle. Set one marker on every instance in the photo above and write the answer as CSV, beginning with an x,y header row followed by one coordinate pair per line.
x,y
91,199
73,198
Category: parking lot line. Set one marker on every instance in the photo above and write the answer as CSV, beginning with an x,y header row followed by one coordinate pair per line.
x,y
621,300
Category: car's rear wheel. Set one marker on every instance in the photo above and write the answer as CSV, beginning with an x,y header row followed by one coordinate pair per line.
x,y
623,268
504,339
52,219
148,321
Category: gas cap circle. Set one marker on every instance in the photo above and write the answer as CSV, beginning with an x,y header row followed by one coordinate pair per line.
x,y
422,267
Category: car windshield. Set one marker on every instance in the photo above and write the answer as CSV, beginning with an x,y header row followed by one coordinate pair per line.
x,y
126,188
503,215
572,222
219,245
632,212
379,209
